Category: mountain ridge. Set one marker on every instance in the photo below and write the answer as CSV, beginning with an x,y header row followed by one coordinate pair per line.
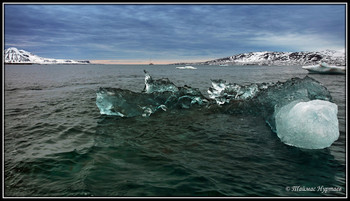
x,y
331,57
14,56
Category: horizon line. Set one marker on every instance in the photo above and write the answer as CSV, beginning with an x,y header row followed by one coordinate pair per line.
x,y
142,62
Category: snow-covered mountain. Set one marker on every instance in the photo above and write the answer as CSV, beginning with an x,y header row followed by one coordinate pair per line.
x,y
282,58
14,56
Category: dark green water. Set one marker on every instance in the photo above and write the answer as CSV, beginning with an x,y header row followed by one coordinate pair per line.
x,y
56,143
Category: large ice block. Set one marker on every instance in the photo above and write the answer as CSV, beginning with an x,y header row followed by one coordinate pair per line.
x,y
309,125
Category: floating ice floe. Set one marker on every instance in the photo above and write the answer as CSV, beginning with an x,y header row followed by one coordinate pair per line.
x,y
300,111
324,68
187,67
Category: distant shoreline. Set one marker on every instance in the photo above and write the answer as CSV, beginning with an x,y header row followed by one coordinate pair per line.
x,y
19,63
47,63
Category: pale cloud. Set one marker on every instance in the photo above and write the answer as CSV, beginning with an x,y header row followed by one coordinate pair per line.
x,y
297,41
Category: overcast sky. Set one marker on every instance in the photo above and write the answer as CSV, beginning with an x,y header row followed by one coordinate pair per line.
x,y
171,32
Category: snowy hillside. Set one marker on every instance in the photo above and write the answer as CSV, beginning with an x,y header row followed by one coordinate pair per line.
x,y
13,55
282,58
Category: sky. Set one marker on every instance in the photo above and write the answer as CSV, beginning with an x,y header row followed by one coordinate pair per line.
x,y
168,33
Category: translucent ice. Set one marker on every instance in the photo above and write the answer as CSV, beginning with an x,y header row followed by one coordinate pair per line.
x,y
159,85
277,100
224,92
267,101
309,125
299,110
158,95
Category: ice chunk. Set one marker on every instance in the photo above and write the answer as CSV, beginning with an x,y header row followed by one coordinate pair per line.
x,y
125,103
298,110
159,85
158,95
309,125
275,103
224,92
280,94
324,68
268,93
151,110
105,104
187,67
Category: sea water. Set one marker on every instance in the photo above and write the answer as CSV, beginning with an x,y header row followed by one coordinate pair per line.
x,y
57,144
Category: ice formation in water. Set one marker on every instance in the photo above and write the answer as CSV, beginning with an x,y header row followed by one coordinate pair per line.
x,y
159,85
298,110
158,95
224,92
126,103
311,125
